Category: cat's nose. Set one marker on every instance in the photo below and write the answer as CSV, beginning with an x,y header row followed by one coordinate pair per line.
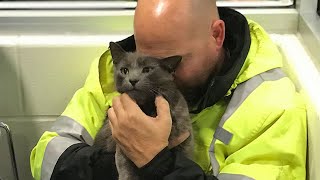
x,y
133,82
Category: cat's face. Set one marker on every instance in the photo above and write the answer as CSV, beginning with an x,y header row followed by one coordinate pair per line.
x,y
137,73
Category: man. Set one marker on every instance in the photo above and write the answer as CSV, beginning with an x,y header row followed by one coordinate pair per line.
x,y
248,120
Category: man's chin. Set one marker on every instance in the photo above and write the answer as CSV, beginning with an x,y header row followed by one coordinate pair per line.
x,y
192,92
188,85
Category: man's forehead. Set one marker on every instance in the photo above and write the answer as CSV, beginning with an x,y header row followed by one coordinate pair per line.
x,y
162,50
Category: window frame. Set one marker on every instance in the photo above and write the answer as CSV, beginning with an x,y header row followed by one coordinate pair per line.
x,y
110,18
318,8
116,5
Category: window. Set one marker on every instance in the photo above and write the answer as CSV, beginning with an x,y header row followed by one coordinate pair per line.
x,y
124,4
255,3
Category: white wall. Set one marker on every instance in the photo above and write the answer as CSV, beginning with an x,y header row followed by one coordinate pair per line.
x,y
38,76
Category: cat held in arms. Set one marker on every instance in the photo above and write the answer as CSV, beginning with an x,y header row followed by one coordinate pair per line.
x,y
144,78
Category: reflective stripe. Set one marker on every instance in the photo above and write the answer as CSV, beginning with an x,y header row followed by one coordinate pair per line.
x,y
224,176
246,88
223,135
70,132
273,75
240,94
67,127
53,151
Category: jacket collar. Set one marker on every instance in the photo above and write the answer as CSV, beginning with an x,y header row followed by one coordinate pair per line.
x,y
237,44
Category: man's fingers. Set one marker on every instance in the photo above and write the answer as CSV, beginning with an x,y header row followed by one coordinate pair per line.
x,y
112,118
128,103
117,106
111,127
163,108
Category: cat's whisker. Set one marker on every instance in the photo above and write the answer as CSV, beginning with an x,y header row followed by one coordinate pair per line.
x,y
154,91
166,89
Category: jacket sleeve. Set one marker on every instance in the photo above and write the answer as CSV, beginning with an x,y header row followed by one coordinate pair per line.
x,y
66,149
171,165
277,152
269,136
84,162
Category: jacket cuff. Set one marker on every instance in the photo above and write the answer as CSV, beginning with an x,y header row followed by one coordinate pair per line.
x,y
159,166
84,162
103,165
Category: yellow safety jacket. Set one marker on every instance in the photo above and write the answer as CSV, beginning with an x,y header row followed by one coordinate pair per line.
x,y
257,131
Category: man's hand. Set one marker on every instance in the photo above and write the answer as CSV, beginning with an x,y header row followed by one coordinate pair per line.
x,y
141,137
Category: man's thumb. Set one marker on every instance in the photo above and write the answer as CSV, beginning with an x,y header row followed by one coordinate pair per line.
x,y
163,108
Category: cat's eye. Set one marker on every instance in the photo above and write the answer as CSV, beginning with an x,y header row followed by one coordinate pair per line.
x,y
146,69
124,70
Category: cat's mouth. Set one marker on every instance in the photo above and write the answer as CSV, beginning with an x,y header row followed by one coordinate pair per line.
x,y
134,89
139,92
134,92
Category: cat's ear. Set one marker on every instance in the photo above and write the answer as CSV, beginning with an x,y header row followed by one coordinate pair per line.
x,y
170,63
117,52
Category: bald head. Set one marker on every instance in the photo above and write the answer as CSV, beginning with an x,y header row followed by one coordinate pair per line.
x,y
189,28
157,21
160,8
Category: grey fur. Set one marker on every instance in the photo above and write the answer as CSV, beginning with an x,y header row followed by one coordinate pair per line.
x,y
151,77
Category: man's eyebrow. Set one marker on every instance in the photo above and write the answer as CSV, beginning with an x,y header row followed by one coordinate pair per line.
x,y
188,54
182,55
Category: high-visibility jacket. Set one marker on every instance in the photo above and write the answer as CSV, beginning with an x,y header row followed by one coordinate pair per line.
x,y
256,128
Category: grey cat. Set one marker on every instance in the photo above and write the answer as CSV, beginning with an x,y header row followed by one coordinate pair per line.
x,y
143,78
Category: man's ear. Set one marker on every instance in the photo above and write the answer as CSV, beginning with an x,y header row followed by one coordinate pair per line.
x,y
170,63
218,32
117,52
